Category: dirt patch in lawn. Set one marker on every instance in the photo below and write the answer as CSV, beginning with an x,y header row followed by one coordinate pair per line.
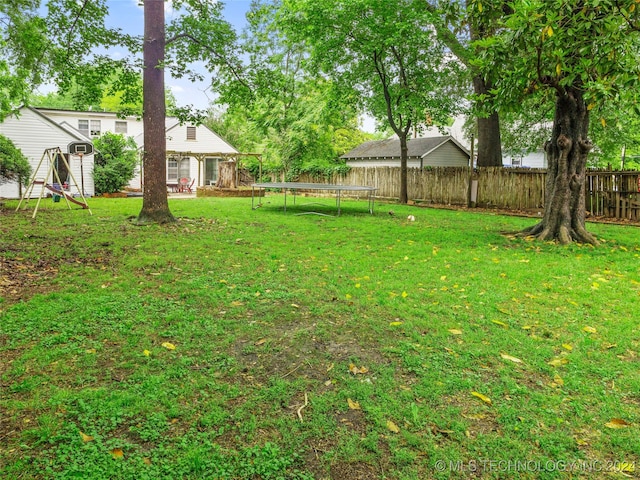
x,y
21,279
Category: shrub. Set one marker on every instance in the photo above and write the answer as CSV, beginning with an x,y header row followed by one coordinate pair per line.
x,y
114,162
13,164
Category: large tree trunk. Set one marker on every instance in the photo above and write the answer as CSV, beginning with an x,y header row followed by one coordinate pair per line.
x,y
489,142
564,209
226,175
155,205
404,154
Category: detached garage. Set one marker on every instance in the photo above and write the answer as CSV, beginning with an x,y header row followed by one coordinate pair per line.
x,y
423,152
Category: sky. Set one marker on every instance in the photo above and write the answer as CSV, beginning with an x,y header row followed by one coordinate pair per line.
x,y
128,15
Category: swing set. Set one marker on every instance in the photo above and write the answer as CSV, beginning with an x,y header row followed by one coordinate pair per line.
x,y
58,187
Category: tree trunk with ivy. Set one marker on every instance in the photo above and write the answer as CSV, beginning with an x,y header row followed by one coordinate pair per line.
x,y
564,209
155,205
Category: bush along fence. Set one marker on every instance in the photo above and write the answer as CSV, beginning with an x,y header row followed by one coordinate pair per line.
x,y
611,194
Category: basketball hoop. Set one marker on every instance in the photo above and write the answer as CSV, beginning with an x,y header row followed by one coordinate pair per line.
x,y
80,149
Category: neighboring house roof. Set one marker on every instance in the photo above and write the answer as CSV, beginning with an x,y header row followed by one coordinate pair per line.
x,y
390,148
96,113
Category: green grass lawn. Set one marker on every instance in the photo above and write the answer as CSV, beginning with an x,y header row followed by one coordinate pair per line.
x,y
242,344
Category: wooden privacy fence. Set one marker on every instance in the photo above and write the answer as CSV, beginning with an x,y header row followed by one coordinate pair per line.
x,y
613,194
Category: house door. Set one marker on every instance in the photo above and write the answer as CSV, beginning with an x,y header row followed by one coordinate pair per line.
x,y
61,168
210,170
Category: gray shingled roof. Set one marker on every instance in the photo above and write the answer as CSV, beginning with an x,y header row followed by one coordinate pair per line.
x,y
390,148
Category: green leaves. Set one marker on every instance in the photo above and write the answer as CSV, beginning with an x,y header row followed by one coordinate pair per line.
x,y
13,164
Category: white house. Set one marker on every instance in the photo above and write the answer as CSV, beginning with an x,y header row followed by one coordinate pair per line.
x,y
536,159
192,151
33,132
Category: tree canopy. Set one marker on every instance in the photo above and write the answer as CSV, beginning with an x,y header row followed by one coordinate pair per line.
x,y
584,55
385,52
13,164
300,122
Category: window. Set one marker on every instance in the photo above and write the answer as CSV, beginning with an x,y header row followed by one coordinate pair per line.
x,y
121,127
178,168
83,126
172,168
95,128
184,168
191,133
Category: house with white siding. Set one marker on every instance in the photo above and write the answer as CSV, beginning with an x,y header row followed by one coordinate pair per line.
x,y
522,159
193,151
33,132
443,151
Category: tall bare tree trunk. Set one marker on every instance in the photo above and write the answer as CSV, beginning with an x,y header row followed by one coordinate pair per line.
x,y
404,155
489,141
155,205
564,209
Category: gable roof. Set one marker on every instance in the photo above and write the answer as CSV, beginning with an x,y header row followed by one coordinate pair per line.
x,y
390,148
74,131
228,147
70,131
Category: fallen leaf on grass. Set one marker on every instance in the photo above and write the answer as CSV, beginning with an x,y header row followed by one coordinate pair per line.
x,y
117,453
393,427
482,397
260,342
510,358
474,416
394,324
355,370
455,331
556,362
146,352
86,438
589,329
169,346
502,324
353,405
617,423
567,346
